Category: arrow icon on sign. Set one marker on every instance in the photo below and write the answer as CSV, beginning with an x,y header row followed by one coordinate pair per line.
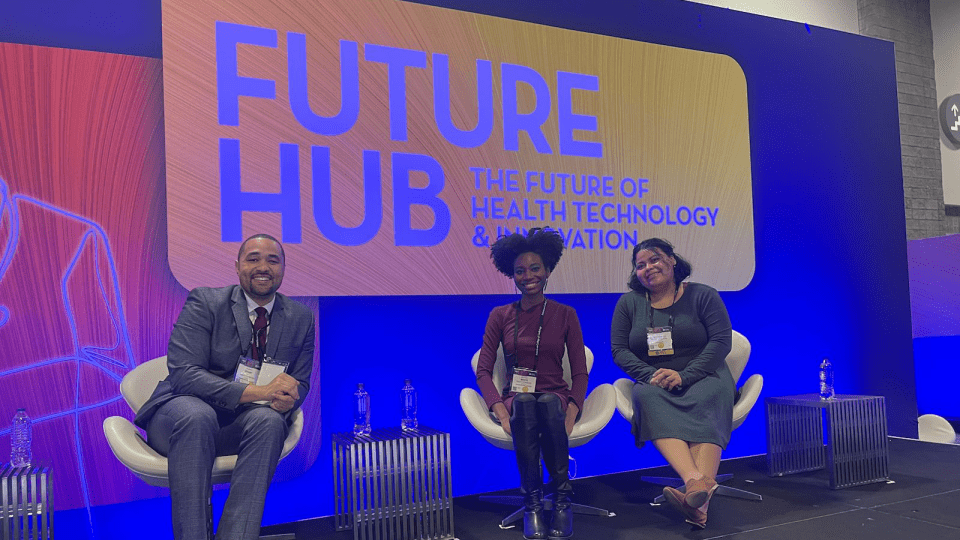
x,y
951,105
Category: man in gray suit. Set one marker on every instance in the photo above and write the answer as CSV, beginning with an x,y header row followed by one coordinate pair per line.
x,y
208,405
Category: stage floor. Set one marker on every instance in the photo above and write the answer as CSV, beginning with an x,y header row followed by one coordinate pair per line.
x,y
922,500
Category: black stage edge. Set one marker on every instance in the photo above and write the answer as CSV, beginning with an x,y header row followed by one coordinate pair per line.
x,y
921,501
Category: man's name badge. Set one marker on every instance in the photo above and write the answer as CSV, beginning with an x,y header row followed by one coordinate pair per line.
x,y
660,341
269,370
524,380
248,370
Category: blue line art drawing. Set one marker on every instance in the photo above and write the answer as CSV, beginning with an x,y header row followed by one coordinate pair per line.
x,y
93,241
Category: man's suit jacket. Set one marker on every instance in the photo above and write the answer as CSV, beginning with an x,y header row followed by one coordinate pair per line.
x,y
211,334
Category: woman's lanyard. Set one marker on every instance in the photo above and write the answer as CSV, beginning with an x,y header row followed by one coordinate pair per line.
x,y
650,308
516,336
660,338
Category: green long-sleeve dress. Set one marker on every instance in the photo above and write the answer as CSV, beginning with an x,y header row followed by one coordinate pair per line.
x,y
701,410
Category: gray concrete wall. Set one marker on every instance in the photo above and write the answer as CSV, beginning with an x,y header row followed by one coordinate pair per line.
x,y
907,24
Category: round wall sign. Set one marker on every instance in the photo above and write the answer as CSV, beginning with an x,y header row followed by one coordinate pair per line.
x,y
950,118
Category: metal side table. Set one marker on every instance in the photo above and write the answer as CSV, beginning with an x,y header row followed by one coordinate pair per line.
x,y
853,445
26,503
393,484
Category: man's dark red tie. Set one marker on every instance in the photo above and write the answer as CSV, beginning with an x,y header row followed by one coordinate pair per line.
x,y
260,334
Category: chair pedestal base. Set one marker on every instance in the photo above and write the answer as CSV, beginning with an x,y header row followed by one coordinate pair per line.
x,y
511,500
721,489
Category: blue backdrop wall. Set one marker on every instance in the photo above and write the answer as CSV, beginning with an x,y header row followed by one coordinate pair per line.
x,y
831,273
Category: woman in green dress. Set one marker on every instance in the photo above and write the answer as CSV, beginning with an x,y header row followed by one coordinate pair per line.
x,y
672,337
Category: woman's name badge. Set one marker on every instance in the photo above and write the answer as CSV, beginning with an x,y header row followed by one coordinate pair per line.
x,y
659,341
524,380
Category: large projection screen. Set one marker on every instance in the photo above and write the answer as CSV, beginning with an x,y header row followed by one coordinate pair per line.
x,y
387,144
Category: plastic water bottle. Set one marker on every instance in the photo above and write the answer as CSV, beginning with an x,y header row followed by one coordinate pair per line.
x,y
826,379
408,406
361,411
20,437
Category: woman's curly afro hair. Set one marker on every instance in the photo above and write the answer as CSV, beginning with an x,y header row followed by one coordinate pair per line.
x,y
546,243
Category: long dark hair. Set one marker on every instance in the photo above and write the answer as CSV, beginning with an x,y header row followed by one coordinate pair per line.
x,y
544,242
681,271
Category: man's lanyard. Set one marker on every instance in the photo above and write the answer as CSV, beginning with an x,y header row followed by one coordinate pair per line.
x,y
256,335
516,336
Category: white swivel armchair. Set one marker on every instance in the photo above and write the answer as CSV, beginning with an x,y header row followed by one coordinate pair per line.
x,y
598,408
142,460
934,428
747,398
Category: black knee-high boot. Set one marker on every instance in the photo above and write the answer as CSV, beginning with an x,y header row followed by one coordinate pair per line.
x,y
526,442
556,454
